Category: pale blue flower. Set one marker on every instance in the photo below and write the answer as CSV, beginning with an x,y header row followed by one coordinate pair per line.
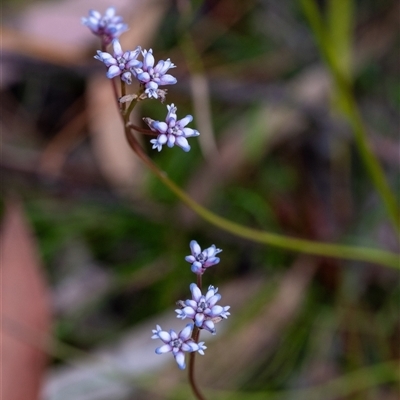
x,y
178,343
108,26
172,132
121,63
203,310
154,76
201,260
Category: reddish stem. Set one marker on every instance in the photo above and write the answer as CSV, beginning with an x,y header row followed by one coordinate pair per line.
x,y
192,381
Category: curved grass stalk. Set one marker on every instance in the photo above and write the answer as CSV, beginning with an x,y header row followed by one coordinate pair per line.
x,y
351,110
294,244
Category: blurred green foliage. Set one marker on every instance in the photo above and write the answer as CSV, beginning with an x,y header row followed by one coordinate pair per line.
x,y
350,316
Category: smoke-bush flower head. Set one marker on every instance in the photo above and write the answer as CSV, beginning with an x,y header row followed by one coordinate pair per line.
x,y
154,76
172,132
201,260
121,63
178,343
108,26
203,310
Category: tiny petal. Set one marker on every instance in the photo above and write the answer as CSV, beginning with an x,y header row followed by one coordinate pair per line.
x,y
190,259
209,326
186,332
110,12
143,77
211,261
180,359
164,336
148,59
201,348
196,292
189,132
161,127
167,80
216,310
213,300
184,121
182,143
113,71
195,248
199,319
117,48
127,77
166,348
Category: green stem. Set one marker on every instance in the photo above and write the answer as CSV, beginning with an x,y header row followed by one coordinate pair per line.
x,y
351,110
301,245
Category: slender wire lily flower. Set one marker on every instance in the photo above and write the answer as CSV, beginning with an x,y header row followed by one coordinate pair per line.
x,y
203,310
172,132
201,260
121,63
178,343
108,26
154,76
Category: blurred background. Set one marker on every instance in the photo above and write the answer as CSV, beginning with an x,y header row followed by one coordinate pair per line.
x,y
93,245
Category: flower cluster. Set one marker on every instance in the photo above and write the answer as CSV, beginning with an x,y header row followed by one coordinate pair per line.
x,y
122,63
108,26
126,65
154,76
172,132
140,64
177,343
201,260
147,72
203,310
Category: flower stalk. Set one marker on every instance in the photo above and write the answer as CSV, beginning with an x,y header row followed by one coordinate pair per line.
x,y
367,254
191,373
203,310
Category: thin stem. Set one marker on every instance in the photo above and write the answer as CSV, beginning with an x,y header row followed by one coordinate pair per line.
x,y
192,381
123,93
133,104
142,130
378,256
199,281
351,110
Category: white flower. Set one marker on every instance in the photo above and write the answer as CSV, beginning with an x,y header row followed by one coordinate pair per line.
x,y
108,26
153,77
203,310
201,260
172,132
178,343
121,63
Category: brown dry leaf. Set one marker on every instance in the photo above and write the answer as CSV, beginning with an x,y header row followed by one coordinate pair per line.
x,y
68,39
25,311
63,20
115,158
